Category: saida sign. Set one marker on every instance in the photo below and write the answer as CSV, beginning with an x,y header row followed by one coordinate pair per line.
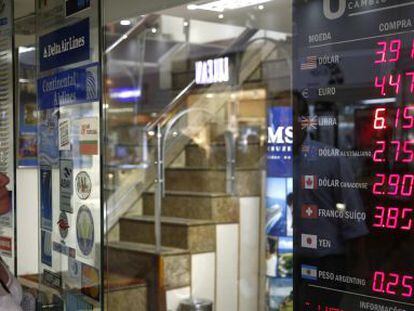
x,y
212,71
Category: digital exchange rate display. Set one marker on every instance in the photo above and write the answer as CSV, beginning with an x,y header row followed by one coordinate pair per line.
x,y
354,155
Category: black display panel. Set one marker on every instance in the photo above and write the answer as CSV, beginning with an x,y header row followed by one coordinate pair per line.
x,y
353,80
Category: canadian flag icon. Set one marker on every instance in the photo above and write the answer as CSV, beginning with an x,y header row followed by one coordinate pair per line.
x,y
309,182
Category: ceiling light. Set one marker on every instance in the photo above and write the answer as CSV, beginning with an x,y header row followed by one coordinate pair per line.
x,y
154,30
376,101
225,5
24,49
125,94
125,22
186,24
260,7
220,16
192,7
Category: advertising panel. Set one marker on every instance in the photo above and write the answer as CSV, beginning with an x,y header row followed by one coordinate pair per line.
x,y
279,205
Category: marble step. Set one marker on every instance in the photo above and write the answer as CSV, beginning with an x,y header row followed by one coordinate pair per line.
x,y
214,155
140,261
213,180
194,235
219,208
123,292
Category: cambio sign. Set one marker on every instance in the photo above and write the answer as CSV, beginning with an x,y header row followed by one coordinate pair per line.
x,y
329,13
334,9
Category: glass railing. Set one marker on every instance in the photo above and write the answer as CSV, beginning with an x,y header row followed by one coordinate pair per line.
x,y
161,141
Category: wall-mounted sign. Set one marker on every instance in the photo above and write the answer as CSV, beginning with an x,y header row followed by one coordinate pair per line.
x,y
85,232
74,86
212,71
83,185
89,136
67,45
66,185
64,134
46,214
46,247
280,140
63,225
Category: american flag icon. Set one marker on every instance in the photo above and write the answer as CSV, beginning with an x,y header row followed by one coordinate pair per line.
x,y
309,122
309,64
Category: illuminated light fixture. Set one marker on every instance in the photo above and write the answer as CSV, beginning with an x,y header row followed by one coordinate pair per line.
x,y
379,101
154,30
125,22
225,5
260,7
192,7
24,49
220,16
186,24
124,37
125,94
340,206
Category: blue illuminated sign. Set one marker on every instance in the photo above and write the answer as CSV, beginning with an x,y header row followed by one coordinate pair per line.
x,y
67,45
74,86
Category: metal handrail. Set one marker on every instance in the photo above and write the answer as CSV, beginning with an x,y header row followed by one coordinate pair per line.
x,y
161,180
139,27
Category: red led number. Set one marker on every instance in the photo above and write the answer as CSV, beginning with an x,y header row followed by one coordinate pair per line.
x,y
388,52
379,121
390,82
394,185
393,284
404,118
393,218
403,151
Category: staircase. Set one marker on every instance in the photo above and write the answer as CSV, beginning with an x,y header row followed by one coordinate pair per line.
x,y
199,222
209,238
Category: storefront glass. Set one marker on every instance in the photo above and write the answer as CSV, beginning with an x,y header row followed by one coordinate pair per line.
x,y
191,92
238,155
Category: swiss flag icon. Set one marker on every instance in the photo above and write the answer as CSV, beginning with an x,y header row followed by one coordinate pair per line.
x,y
309,211
309,182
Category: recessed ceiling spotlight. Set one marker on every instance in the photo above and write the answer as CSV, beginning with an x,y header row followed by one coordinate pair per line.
x,y
220,16
260,7
154,30
125,22
186,24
